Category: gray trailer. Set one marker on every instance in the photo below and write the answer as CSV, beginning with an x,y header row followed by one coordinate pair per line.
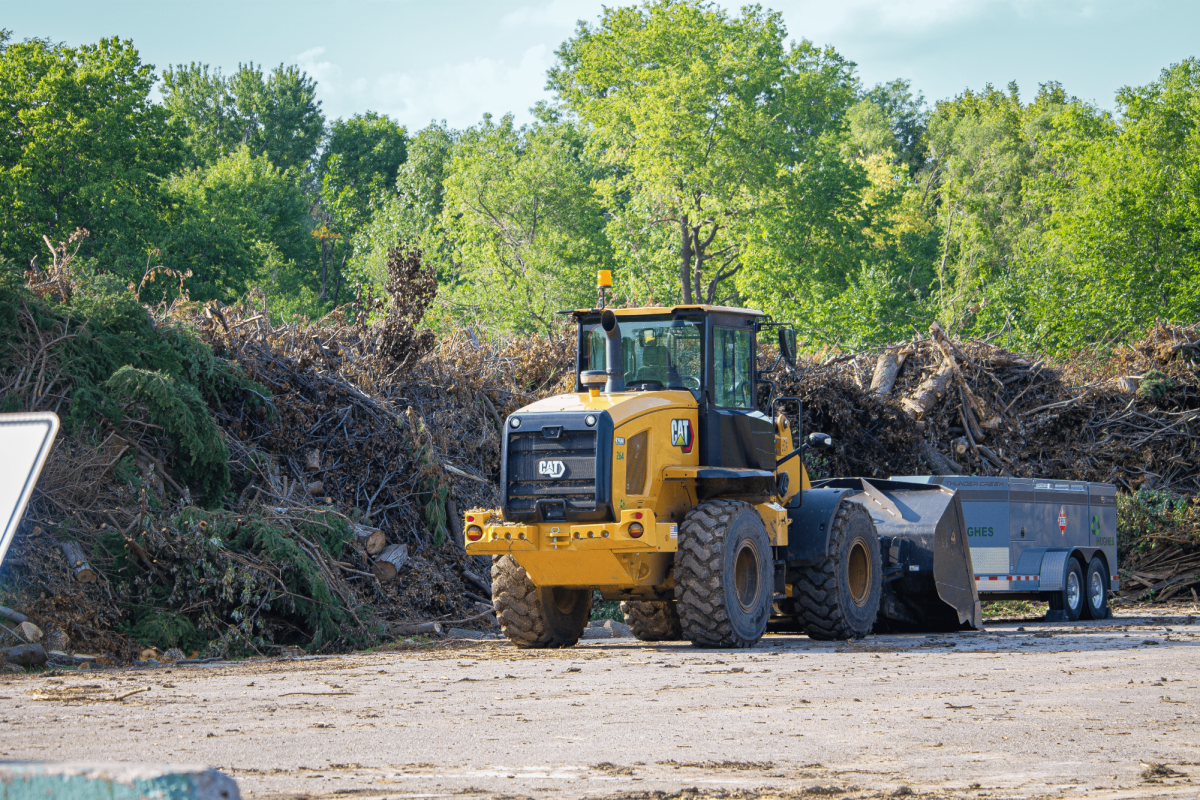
x,y
1036,539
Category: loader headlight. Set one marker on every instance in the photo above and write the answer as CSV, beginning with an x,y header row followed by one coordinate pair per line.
x,y
515,422
636,530
590,420
474,533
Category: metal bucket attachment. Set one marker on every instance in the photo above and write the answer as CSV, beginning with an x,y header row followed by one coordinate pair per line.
x,y
929,583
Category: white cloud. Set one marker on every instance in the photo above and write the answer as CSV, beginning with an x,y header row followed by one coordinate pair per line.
x,y
558,14
324,72
459,93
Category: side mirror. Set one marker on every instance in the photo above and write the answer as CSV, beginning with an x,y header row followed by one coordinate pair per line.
x,y
821,440
787,345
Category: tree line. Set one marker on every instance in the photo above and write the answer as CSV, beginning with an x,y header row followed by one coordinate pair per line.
x,y
702,156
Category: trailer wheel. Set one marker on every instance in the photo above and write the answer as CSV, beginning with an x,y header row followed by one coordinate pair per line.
x,y
1070,600
549,616
839,598
724,575
653,621
1095,585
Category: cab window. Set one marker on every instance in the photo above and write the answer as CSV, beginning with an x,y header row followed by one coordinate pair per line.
x,y
659,354
733,367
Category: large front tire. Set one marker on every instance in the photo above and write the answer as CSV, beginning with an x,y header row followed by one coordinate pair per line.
x,y
531,616
652,621
839,598
724,575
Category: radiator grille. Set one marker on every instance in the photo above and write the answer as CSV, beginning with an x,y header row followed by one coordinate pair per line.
x,y
552,469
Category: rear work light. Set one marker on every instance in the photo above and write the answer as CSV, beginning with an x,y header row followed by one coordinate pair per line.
x,y
636,530
474,533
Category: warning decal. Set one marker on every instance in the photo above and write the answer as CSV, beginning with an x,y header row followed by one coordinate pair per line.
x,y
1062,520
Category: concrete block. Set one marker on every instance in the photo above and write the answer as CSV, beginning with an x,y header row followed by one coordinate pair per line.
x,y
26,780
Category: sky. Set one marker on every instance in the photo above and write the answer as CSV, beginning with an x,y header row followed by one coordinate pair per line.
x,y
454,60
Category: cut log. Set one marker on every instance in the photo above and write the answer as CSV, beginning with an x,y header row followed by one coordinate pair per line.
x,y
15,617
74,555
389,562
929,392
24,655
312,460
371,540
315,489
938,462
411,629
960,446
31,632
886,369
1128,384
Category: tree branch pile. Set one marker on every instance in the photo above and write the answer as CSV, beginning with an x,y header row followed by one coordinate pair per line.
x,y
343,442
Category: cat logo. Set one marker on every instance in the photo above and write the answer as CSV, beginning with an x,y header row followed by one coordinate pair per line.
x,y
552,469
682,435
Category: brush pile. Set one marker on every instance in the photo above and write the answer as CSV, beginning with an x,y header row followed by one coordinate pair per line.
x,y
236,486
958,406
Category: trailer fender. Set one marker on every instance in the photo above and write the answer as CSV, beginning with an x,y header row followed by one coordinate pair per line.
x,y
1053,570
810,519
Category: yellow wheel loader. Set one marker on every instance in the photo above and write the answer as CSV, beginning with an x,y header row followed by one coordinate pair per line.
x,y
660,483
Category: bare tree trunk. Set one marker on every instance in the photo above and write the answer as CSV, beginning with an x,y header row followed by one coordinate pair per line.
x,y
324,269
685,260
338,291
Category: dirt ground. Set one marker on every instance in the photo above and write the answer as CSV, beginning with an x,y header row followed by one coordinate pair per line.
x,y
1023,709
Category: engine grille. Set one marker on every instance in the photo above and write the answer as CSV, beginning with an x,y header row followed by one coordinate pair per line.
x,y
559,473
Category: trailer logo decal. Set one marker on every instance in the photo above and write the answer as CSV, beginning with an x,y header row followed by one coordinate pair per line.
x,y
1062,520
553,469
681,434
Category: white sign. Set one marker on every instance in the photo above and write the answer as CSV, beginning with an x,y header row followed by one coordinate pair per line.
x,y
25,441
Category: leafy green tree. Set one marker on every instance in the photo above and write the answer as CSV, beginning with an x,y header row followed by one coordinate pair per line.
x,y
704,122
411,213
524,227
362,156
276,115
1123,247
81,145
235,223
907,117
988,153
357,167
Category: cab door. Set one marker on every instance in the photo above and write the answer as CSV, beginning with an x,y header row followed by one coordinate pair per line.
x,y
734,433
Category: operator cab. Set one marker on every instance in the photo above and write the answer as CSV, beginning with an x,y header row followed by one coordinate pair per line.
x,y
708,351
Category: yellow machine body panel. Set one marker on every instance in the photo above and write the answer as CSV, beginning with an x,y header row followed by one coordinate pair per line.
x,y
655,462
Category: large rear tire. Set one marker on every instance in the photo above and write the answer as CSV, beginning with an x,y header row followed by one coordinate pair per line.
x,y
724,575
653,621
839,598
1095,596
1069,602
531,616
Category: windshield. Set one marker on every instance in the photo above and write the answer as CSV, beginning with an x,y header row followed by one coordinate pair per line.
x,y
662,354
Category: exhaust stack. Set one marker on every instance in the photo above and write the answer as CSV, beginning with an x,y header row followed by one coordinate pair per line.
x,y
614,357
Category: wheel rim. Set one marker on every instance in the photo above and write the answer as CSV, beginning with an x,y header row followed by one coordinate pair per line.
x,y
1073,590
746,577
1096,591
564,599
858,573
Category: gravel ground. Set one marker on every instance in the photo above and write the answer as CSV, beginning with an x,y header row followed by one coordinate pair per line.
x,y
1023,709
